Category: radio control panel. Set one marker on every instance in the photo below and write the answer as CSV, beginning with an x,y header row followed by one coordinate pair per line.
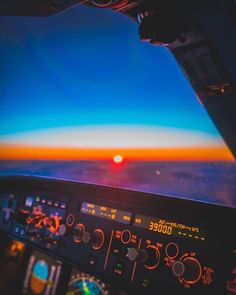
x,y
138,241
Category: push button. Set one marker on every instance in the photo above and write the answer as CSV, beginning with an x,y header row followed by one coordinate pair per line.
x,y
56,204
37,199
92,260
63,205
116,251
118,268
49,202
43,200
145,282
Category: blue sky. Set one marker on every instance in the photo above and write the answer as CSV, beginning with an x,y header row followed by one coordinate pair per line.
x,y
87,66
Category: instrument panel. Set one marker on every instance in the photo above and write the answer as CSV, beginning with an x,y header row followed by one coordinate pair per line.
x,y
138,242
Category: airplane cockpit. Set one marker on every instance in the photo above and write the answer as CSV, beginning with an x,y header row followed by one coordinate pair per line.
x,y
117,156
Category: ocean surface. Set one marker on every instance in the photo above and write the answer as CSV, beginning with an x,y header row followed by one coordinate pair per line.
x,y
203,181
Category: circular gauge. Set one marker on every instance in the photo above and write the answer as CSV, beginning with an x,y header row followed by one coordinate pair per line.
x,y
86,284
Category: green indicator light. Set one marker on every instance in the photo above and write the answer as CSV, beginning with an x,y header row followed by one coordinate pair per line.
x,y
119,265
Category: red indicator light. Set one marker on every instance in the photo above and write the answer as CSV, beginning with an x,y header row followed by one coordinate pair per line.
x,y
117,159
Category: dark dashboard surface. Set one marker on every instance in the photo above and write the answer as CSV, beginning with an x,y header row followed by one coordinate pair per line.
x,y
138,242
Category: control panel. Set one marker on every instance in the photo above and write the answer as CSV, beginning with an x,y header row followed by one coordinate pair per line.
x,y
142,242
38,219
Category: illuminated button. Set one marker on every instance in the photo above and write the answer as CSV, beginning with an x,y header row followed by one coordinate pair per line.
x,y
125,236
17,229
118,268
22,232
145,282
70,220
28,202
116,251
92,260
37,199
63,205
43,201
49,202
56,204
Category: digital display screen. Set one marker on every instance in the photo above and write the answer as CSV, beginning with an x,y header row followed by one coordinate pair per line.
x,y
42,275
169,228
106,212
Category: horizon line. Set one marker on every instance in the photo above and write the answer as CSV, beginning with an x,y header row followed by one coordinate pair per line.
x,y
23,152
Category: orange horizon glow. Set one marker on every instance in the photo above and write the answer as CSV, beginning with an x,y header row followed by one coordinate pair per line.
x,y
22,152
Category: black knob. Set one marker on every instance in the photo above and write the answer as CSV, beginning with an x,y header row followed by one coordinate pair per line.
x,y
78,232
64,230
178,268
87,237
143,256
151,257
138,255
189,269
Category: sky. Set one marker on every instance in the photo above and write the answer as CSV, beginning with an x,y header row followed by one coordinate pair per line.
x,y
81,85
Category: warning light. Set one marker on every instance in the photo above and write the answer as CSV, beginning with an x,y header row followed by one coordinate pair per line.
x,y
117,159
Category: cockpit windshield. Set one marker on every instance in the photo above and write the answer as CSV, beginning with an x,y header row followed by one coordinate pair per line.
x,y
82,98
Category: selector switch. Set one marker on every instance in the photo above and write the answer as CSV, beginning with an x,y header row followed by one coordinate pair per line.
x,y
188,269
64,230
149,256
